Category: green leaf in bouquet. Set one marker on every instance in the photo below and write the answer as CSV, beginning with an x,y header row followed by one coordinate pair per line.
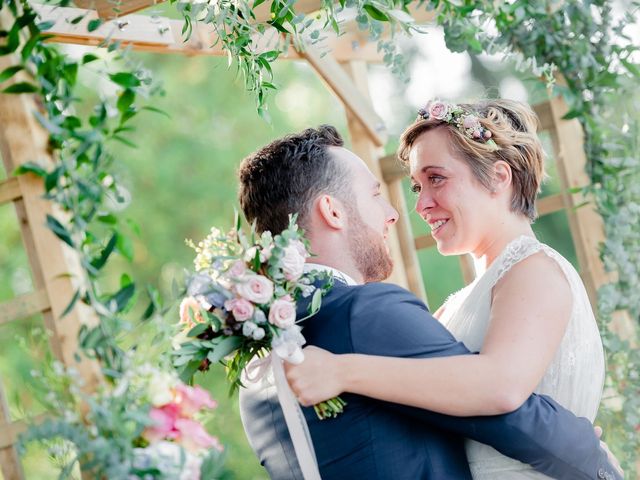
x,y
198,329
224,347
255,263
316,301
186,373
215,321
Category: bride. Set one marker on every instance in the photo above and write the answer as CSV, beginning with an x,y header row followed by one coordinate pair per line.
x,y
476,170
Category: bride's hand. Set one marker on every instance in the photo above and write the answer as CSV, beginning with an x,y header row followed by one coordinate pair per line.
x,y
317,378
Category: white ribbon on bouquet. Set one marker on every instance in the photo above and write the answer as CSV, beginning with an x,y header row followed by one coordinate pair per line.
x,y
293,416
296,423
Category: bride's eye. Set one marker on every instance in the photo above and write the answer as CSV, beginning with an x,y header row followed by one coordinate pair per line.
x,y
415,188
435,179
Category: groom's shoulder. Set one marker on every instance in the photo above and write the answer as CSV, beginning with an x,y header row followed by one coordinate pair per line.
x,y
386,319
385,295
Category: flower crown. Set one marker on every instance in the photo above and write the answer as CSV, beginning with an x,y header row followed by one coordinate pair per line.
x,y
453,114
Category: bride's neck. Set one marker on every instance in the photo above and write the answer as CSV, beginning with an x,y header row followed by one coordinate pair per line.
x,y
497,239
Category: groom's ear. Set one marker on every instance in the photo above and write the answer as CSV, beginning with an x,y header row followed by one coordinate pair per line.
x,y
331,212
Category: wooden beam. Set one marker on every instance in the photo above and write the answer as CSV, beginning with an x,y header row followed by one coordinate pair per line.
x,y
468,268
392,168
424,241
550,204
345,89
109,9
9,190
134,29
163,35
306,7
24,306
545,115
9,431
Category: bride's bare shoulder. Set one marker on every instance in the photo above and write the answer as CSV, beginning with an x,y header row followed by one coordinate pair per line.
x,y
538,277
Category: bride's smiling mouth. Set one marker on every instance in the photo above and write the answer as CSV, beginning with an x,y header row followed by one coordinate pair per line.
x,y
436,225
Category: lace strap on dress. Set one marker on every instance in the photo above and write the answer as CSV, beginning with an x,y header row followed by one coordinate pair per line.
x,y
516,251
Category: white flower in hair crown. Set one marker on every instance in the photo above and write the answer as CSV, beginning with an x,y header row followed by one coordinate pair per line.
x,y
453,114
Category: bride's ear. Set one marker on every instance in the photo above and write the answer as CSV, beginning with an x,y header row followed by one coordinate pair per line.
x,y
331,211
502,176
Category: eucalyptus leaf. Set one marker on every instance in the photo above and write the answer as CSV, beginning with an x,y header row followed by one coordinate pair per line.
x,y
224,347
21,87
9,72
59,230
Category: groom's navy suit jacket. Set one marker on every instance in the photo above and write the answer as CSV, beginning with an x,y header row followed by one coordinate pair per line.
x,y
376,440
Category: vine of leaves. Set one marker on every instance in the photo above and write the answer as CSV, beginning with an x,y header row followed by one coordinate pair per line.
x,y
80,181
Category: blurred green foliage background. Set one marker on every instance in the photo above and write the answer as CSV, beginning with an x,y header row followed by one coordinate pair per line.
x,y
181,181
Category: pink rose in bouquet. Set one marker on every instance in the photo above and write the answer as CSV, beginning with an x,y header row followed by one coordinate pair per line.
x,y
282,313
242,309
256,288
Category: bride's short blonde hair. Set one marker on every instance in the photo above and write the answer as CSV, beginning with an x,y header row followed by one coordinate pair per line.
x,y
513,127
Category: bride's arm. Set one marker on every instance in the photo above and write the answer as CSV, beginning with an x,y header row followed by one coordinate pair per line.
x,y
530,311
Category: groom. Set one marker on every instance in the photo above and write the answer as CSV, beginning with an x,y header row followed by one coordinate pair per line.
x,y
347,221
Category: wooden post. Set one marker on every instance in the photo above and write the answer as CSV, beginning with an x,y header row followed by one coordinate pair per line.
x,y
10,465
55,267
585,223
366,129
393,173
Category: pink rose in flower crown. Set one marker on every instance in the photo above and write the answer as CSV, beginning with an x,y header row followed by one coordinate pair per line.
x,y
282,312
471,122
438,110
193,436
191,400
293,262
242,309
189,307
256,289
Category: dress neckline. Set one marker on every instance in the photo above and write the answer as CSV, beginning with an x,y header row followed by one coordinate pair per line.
x,y
510,251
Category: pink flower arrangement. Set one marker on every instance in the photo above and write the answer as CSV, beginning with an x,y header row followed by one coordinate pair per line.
x,y
173,421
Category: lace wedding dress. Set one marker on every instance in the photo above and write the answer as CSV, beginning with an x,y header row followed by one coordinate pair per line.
x,y
575,376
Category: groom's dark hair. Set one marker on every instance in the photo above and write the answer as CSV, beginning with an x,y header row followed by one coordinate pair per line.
x,y
288,174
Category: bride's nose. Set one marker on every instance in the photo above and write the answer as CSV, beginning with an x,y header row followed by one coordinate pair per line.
x,y
424,203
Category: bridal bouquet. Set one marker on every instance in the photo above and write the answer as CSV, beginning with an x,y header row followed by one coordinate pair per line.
x,y
144,426
241,304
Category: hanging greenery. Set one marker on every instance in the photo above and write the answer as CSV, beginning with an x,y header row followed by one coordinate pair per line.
x,y
81,181
579,41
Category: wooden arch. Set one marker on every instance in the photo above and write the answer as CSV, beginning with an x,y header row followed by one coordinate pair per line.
x,y
22,140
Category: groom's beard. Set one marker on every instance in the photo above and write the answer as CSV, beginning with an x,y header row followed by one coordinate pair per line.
x,y
369,251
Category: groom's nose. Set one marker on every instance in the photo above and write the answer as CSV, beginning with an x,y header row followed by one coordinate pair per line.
x,y
392,214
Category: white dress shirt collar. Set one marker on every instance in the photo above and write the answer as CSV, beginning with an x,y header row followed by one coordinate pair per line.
x,y
337,274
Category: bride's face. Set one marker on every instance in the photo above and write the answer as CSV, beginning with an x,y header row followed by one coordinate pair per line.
x,y
460,211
